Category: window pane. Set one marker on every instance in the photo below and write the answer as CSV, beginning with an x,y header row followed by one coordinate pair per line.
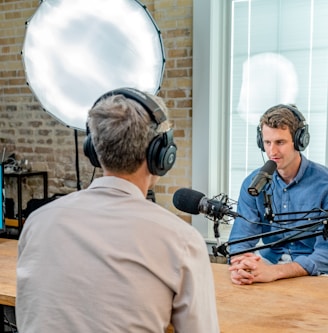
x,y
279,55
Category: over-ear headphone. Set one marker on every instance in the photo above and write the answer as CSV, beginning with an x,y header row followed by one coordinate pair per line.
x,y
301,137
161,152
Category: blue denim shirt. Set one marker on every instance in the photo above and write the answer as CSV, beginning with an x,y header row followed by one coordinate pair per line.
x,y
309,190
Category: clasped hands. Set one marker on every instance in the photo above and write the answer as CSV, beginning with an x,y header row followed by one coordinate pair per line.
x,y
249,268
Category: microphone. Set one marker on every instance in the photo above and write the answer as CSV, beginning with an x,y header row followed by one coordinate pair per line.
x,y
194,202
262,178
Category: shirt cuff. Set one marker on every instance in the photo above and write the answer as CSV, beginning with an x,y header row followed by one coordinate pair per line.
x,y
308,265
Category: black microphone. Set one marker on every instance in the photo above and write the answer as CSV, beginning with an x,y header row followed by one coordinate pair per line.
x,y
194,202
262,178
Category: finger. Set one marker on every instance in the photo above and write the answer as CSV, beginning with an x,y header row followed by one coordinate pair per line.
x,y
239,280
246,281
246,265
236,259
245,273
249,264
235,278
250,254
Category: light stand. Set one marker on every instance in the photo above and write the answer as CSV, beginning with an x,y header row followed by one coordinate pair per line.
x,y
77,165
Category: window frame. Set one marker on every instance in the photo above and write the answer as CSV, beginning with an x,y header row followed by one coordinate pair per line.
x,y
211,101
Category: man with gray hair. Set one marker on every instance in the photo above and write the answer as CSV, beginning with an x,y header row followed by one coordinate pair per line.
x,y
105,259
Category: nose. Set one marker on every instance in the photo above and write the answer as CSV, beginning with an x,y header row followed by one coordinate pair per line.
x,y
272,149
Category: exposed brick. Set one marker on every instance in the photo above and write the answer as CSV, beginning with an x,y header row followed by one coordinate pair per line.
x,y
31,133
177,73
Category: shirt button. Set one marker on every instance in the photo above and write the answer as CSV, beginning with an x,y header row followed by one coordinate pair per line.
x,y
285,206
285,190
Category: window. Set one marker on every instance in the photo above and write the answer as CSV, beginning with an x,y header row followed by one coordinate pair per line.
x,y
274,51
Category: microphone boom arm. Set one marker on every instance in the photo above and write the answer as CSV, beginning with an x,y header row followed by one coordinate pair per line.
x,y
305,228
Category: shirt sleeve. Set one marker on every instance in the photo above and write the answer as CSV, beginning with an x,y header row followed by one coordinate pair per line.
x,y
316,263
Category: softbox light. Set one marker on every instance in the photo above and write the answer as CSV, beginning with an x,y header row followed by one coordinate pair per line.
x,y
76,50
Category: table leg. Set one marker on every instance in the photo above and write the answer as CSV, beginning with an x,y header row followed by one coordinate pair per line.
x,y
2,318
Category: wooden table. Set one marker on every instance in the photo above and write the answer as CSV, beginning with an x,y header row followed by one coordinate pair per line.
x,y
8,258
285,306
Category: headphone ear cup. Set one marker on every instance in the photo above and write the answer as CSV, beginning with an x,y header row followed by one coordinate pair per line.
x,y
301,138
259,139
90,152
152,153
161,154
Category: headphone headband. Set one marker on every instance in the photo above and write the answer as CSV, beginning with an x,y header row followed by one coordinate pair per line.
x,y
154,110
294,110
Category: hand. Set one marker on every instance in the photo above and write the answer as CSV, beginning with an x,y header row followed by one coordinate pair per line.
x,y
249,268
243,267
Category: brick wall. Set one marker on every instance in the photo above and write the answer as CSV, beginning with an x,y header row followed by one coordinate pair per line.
x,y
32,134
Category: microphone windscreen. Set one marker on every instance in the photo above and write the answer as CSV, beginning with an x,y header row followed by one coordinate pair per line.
x,y
269,167
187,200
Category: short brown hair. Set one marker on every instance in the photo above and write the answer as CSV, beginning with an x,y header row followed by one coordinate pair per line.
x,y
281,116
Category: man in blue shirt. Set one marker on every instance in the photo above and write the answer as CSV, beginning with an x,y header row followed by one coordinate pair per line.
x,y
297,185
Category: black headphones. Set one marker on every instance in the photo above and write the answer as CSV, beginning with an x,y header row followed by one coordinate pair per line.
x,y
161,152
301,137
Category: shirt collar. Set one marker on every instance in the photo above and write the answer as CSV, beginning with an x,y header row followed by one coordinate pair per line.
x,y
117,183
301,170
304,164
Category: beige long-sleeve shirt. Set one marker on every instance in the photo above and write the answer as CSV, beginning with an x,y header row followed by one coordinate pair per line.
x,y
105,259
